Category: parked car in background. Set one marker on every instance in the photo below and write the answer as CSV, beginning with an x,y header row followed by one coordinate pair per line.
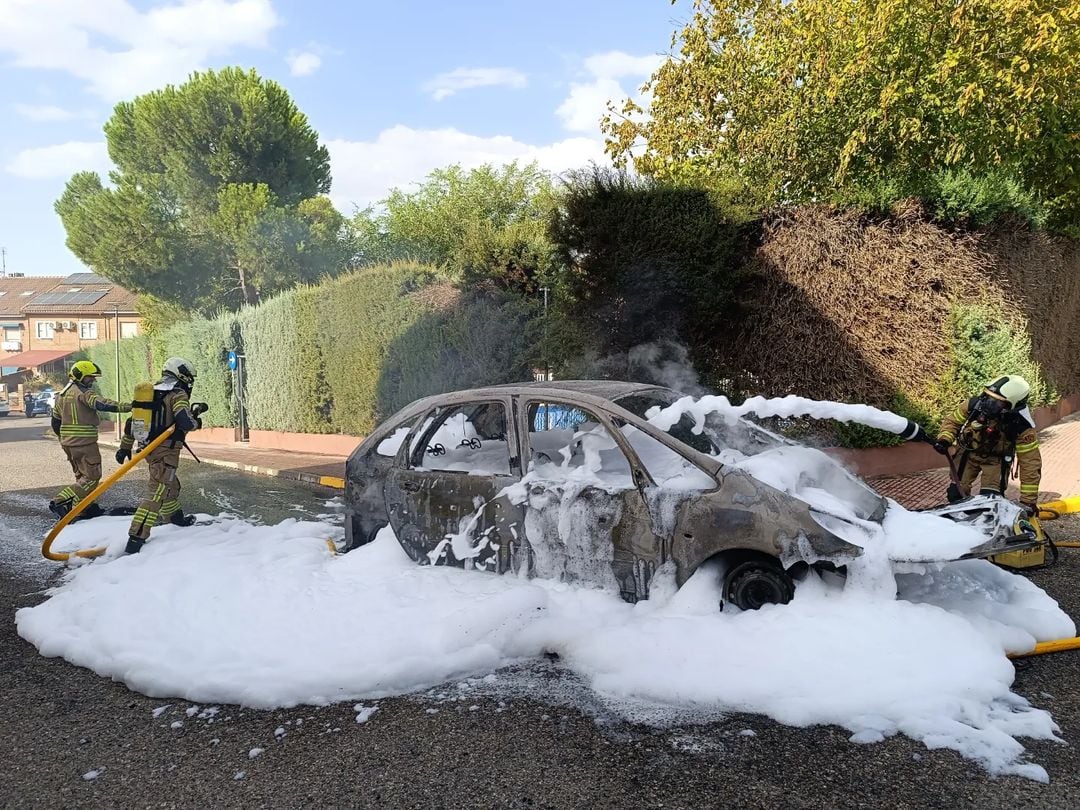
x,y
569,480
5,409
42,404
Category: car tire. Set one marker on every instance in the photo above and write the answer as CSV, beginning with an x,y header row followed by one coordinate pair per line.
x,y
755,583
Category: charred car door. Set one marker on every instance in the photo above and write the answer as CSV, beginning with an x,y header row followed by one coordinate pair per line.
x,y
445,494
586,517
365,477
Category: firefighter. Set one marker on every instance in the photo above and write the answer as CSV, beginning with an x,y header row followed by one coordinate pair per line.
x,y
990,431
170,406
75,419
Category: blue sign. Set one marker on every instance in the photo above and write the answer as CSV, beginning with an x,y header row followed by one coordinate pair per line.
x,y
232,361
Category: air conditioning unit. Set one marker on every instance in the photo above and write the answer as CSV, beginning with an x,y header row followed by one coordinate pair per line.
x,y
11,346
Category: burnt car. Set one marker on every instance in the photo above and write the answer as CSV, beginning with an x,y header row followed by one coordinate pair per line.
x,y
569,480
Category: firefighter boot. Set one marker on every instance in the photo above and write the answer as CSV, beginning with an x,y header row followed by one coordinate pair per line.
x,y
178,518
91,511
134,545
60,508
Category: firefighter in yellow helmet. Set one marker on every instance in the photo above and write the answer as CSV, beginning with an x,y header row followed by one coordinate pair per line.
x,y
991,431
171,405
75,419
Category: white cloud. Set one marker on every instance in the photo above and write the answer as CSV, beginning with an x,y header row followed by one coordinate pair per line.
x,y
446,84
120,51
618,65
60,160
587,101
365,171
303,64
587,104
43,112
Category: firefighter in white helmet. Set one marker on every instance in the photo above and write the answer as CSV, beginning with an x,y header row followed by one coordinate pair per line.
x,y
170,405
991,431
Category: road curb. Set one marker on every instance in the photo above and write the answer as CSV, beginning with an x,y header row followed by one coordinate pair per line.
x,y
331,481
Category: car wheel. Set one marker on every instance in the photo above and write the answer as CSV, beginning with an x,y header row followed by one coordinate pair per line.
x,y
754,583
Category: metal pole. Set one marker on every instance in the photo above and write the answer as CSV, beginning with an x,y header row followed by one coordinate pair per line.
x,y
116,336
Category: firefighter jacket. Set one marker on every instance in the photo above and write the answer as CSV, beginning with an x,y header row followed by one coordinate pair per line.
x,y
76,414
172,406
1001,440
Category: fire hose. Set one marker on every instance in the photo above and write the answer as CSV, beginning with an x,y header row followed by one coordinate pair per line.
x,y
101,488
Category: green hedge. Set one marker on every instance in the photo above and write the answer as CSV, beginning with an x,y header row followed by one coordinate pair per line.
x,y
200,341
341,356
984,344
285,389
135,365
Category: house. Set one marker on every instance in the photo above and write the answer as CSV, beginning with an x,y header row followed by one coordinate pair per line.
x,y
46,319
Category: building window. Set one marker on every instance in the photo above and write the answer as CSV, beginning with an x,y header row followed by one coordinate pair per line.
x,y
45,330
12,333
129,329
88,330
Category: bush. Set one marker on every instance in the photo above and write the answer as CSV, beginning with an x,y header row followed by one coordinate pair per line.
x,y
954,197
983,345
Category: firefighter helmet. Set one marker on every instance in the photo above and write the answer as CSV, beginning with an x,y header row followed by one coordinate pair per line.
x,y
1010,388
181,369
83,369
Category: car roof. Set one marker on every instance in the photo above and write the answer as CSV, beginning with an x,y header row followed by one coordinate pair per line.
x,y
605,389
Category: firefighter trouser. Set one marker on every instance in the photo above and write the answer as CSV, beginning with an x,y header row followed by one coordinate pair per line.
x,y
85,460
989,466
163,497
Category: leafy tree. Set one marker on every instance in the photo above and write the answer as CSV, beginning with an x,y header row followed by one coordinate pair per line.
x,y
215,196
487,226
805,98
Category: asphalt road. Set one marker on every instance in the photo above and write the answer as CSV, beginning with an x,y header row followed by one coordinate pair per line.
x,y
540,742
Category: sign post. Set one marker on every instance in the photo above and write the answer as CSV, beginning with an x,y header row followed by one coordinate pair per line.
x,y
235,362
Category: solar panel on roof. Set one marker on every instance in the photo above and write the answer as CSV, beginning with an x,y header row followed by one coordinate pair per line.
x,y
85,278
69,298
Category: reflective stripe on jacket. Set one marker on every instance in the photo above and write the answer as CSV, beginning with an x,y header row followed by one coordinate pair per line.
x,y
78,411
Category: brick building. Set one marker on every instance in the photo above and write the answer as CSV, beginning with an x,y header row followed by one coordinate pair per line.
x,y
46,319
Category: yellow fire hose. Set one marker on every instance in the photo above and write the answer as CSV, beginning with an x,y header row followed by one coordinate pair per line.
x,y
77,509
1043,647
1052,510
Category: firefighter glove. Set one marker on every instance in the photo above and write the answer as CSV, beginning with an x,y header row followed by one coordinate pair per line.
x,y
123,454
941,446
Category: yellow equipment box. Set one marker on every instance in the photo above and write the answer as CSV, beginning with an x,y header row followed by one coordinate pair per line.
x,y
1027,557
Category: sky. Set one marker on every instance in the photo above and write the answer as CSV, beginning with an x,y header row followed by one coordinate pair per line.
x,y
393,89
